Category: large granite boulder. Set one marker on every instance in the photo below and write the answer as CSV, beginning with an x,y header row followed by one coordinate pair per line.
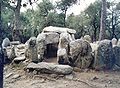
x,y
104,58
5,43
84,61
45,67
81,47
48,37
80,53
31,50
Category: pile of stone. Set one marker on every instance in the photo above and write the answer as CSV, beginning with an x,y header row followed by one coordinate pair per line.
x,y
13,51
81,53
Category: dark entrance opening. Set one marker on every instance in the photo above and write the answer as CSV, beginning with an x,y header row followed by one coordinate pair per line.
x,y
51,50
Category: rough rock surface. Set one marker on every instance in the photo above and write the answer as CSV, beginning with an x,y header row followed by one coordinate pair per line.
x,y
15,42
104,58
114,41
118,43
58,30
12,53
5,43
63,48
41,46
21,46
87,38
50,68
62,57
81,47
80,53
31,50
116,51
20,58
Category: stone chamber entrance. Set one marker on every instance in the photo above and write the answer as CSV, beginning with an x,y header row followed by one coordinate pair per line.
x,y
50,54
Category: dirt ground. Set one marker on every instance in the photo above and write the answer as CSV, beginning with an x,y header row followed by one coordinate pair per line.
x,y
16,77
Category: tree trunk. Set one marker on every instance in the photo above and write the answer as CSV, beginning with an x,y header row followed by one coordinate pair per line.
x,y
102,34
65,17
16,29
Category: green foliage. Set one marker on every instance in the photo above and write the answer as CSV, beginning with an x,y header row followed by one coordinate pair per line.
x,y
88,22
7,22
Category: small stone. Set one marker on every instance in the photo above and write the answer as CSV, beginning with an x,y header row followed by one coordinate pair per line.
x,y
8,75
109,82
70,77
53,75
34,72
18,59
16,76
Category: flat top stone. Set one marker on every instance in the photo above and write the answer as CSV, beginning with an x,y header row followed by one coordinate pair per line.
x,y
15,42
51,67
58,30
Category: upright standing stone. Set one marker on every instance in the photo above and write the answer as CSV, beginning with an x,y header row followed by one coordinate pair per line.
x,y
80,53
104,58
41,47
5,43
114,41
63,48
87,38
116,50
12,53
32,50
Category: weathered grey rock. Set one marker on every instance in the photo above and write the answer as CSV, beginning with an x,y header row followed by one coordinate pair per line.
x,y
20,58
87,38
80,53
63,48
44,67
5,43
94,46
62,57
16,76
81,47
58,30
31,51
51,38
21,46
5,54
114,41
118,43
70,77
12,53
64,41
41,46
83,61
8,75
104,58
116,50
15,42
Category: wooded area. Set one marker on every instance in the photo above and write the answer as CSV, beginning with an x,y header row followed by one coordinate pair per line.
x,y
100,20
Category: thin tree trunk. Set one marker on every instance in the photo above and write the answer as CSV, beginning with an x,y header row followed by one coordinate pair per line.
x,y
16,29
65,17
102,34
